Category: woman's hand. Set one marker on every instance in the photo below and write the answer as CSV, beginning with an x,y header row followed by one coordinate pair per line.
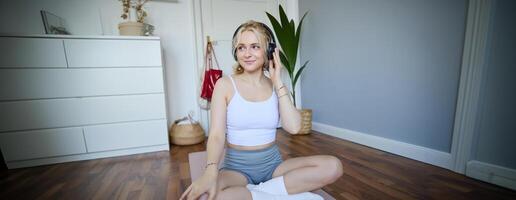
x,y
275,69
207,183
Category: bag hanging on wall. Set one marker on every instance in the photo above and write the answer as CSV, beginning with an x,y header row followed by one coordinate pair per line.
x,y
211,75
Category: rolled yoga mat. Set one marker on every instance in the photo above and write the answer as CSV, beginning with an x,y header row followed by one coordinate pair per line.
x,y
197,160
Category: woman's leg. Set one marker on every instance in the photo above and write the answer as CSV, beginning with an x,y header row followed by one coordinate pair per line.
x,y
304,174
232,185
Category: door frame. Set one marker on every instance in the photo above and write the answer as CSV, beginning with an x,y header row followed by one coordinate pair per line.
x,y
473,68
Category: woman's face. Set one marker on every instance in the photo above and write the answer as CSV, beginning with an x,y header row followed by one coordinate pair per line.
x,y
250,53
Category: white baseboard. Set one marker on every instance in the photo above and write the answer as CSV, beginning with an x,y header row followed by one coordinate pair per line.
x,y
490,173
87,156
419,153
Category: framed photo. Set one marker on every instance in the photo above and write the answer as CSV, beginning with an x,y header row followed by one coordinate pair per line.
x,y
53,23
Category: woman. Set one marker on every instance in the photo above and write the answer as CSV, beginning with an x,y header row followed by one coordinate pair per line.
x,y
247,105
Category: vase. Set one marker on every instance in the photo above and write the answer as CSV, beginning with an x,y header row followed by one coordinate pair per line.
x,y
306,121
133,16
131,28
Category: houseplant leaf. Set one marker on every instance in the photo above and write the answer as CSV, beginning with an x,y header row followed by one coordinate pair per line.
x,y
298,31
300,71
286,64
288,38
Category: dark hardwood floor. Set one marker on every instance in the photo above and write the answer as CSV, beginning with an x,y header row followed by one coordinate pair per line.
x,y
368,174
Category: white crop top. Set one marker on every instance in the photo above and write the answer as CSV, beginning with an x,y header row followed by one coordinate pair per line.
x,y
251,123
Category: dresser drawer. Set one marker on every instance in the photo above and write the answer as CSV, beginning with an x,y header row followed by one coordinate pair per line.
x,y
112,53
31,52
53,113
126,135
42,143
78,82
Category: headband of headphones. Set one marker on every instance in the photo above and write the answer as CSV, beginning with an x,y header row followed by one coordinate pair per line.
x,y
271,42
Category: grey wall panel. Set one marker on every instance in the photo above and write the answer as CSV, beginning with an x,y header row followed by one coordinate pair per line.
x,y
386,68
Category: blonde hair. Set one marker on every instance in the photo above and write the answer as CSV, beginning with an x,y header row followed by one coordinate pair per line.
x,y
263,38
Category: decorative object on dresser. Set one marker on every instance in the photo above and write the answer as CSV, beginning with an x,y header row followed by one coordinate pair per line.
x,y
288,37
53,24
66,98
135,15
148,30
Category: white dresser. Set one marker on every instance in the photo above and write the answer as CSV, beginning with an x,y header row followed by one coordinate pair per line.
x,y
67,98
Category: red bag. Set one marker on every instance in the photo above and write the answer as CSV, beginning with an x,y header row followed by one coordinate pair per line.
x,y
211,75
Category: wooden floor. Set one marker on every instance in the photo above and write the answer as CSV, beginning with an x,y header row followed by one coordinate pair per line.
x,y
368,174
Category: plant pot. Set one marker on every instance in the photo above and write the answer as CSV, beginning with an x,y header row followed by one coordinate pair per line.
x,y
131,28
306,121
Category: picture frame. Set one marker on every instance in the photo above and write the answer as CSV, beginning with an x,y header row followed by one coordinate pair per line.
x,y
53,24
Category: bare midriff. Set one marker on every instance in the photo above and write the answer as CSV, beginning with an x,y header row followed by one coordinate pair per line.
x,y
250,148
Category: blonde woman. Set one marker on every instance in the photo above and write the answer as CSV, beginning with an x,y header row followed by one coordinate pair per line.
x,y
245,111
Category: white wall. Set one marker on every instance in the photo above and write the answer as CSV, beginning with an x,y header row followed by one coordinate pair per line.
x,y
173,22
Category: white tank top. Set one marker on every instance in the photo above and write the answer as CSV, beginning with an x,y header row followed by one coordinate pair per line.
x,y
251,123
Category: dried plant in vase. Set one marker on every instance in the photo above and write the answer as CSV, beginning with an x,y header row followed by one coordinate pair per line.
x,y
135,15
137,5
140,12
125,4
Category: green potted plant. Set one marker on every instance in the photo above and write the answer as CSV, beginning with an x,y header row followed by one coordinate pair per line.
x,y
288,37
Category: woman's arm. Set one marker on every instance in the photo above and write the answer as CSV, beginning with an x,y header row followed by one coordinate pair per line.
x,y
217,133
215,146
290,116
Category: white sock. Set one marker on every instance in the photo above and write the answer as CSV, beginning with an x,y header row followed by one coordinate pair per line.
x,y
304,196
274,186
259,195
275,189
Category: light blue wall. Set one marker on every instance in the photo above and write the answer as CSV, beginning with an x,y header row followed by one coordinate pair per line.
x,y
496,136
388,68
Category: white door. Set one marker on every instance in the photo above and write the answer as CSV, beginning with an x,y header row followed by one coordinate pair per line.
x,y
219,19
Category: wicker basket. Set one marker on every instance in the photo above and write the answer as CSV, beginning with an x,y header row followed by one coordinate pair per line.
x,y
186,134
306,121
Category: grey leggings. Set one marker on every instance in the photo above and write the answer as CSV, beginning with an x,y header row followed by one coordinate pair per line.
x,y
256,165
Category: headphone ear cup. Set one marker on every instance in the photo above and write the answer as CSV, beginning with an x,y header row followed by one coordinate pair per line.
x,y
270,51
